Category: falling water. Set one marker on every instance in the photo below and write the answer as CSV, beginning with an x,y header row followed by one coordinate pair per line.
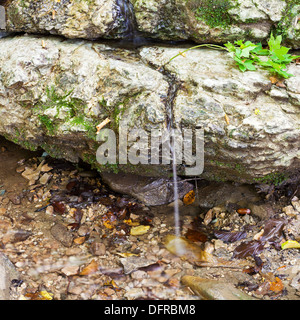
x,y
129,31
170,123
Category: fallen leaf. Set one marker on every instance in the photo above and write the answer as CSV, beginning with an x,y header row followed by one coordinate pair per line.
x,y
274,79
111,284
280,84
290,244
195,236
189,198
108,224
139,230
59,207
79,240
39,295
248,249
91,268
277,285
127,254
228,236
131,223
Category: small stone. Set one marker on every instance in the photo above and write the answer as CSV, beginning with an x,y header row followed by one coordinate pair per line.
x,y
290,211
98,248
15,199
2,211
209,289
296,204
74,289
20,169
139,274
73,251
62,234
70,270
134,293
45,178
50,210
83,230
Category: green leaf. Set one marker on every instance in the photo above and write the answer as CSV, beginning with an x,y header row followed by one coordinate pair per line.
x,y
246,51
249,65
230,46
260,51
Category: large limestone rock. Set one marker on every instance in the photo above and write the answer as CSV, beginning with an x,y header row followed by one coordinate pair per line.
x,y
53,94
198,20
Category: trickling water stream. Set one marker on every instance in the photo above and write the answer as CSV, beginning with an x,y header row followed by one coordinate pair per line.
x,y
130,32
170,126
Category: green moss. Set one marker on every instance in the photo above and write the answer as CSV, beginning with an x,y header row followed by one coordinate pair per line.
x,y
72,106
273,178
288,18
214,12
47,123
88,125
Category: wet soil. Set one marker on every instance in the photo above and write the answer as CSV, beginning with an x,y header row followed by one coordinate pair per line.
x,y
71,238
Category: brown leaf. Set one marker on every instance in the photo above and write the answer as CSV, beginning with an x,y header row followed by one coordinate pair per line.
x,y
59,207
280,84
228,236
277,285
91,268
79,240
247,249
195,236
189,198
274,79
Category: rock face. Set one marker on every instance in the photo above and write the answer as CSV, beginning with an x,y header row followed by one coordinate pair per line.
x,y
198,20
7,274
54,92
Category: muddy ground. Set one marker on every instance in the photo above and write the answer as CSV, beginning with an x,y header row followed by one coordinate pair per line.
x,y
71,238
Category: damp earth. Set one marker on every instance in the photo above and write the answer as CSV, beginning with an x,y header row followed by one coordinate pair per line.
x,y
68,236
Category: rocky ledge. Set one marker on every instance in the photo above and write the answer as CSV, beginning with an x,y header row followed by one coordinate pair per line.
x,y
197,20
55,92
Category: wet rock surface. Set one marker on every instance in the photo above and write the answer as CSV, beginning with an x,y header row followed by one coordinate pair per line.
x,y
201,21
151,191
8,275
106,261
54,93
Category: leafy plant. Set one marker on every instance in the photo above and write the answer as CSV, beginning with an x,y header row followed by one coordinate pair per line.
x,y
248,55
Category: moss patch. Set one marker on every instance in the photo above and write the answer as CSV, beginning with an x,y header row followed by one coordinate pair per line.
x,y
273,178
214,12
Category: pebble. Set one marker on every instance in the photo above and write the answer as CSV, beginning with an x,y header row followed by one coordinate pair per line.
x,y
83,230
139,274
70,270
209,289
45,178
98,248
134,293
62,234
